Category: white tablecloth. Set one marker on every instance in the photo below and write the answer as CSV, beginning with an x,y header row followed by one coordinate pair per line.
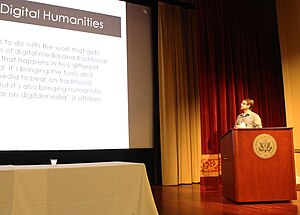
x,y
70,189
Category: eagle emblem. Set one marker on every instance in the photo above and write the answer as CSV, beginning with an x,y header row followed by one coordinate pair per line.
x,y
265,146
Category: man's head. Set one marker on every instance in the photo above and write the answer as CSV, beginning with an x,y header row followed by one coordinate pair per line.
x,y
247,104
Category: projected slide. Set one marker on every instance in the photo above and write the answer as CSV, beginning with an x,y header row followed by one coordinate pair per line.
x,y
63,75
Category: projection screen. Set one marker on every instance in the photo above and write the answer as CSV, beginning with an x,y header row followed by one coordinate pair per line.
x,y
75,75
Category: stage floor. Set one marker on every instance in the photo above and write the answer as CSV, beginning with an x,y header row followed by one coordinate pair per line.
x,y
189,200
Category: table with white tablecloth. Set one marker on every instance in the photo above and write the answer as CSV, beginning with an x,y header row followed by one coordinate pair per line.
x,y
71,189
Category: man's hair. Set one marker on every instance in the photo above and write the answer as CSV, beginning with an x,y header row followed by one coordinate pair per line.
x,y
249,102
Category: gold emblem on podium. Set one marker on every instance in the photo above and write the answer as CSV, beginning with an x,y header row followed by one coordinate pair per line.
x,y
264,146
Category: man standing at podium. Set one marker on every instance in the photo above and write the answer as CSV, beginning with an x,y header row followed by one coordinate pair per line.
x,y
247,119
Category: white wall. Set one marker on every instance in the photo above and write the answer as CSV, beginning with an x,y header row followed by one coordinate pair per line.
x,y
288,14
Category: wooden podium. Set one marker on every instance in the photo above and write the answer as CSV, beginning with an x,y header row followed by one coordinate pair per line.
x,y
258,165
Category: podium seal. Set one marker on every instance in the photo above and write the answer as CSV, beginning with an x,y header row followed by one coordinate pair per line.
x,y
264,146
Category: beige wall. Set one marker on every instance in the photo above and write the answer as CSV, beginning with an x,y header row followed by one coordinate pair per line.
x,y
288,13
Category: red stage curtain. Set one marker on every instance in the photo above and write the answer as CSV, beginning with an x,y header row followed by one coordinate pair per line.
x,y
239,57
